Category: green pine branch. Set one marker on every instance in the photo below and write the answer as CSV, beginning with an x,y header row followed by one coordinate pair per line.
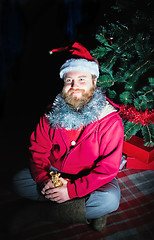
x,y
124,71
130,129
148,135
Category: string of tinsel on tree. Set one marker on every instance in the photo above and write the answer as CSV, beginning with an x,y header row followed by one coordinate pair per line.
x,y
130,113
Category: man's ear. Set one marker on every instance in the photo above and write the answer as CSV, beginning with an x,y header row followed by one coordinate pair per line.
x,y
95,81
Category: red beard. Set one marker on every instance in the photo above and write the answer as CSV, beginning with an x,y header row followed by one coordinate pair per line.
x,y
73,101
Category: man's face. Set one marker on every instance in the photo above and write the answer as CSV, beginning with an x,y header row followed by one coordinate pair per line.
x,y
78,88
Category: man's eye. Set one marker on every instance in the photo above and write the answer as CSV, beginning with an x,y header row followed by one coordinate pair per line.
x,y
68,80
82,79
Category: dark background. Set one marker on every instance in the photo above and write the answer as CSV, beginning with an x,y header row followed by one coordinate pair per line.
x,y
29,76
29,29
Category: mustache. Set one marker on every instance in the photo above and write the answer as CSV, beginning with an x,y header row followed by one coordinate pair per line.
x,y
75,90
77,103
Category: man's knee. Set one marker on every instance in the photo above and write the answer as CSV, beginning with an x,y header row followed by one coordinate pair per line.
x,y
113,201
19,182
24,186
109,203
103,201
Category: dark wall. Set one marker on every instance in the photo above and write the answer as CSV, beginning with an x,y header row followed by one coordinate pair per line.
x,y
32,28
29,76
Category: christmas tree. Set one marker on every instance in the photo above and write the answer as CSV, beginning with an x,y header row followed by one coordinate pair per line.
x,y
125,53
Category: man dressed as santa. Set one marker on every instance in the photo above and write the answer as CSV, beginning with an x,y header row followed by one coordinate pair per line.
x,y
80,137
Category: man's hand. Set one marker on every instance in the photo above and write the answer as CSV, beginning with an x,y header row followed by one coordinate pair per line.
x,y
47,186
59,194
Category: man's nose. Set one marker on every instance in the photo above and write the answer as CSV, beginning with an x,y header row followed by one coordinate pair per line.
x,y
75,84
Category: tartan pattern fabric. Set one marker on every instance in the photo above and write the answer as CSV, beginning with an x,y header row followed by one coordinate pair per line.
x,y
132,221
134,218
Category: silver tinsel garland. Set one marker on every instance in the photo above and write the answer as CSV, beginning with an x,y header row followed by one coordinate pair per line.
x,y
63,116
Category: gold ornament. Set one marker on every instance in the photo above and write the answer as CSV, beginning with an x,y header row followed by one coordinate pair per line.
x,y
55,179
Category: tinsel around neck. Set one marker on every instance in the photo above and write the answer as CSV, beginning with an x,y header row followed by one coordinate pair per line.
x,y
63,116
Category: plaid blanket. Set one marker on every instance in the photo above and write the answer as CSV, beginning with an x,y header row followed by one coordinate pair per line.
x,y
133,220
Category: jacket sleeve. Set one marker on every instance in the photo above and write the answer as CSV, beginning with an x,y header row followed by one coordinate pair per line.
x,y
40,150
106,166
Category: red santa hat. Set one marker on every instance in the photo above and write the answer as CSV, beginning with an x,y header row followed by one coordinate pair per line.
x,y
80,60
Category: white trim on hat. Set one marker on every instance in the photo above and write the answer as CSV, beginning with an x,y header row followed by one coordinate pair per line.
x,y
82,65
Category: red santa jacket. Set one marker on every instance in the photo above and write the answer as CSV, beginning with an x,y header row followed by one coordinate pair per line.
x,y
94,160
